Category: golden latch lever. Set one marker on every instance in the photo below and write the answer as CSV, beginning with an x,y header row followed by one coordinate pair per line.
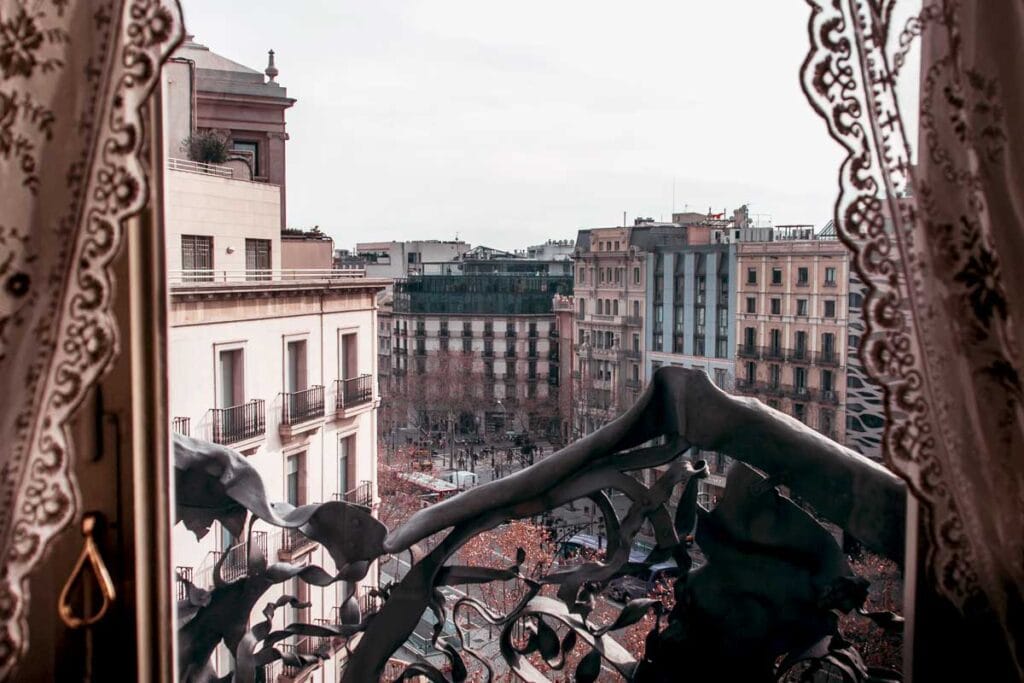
x,y
91,554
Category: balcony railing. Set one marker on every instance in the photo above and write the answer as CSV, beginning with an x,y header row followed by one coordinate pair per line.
x,y
189,166
632,354
293,540
303,646
181,575
355,391
748,351
299,406
510,353
181,425
827,358
511,334
829,396
488,333
237,423
633,320
360,495
260,276
236,565
801,393
798,355
368,602
773,353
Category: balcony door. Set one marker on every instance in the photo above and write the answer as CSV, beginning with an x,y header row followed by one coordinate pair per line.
x,y
296,378
232,384
348,359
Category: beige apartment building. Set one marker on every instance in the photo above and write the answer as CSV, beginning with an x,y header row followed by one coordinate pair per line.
x,y
609,289
791,323
269,353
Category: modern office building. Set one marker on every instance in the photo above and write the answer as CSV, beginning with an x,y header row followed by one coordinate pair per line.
x,y
475,345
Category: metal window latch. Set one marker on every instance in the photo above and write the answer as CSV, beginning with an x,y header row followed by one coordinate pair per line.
x,y
90,554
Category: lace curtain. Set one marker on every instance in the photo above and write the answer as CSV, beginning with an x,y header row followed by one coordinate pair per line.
x,y
936,243
73,76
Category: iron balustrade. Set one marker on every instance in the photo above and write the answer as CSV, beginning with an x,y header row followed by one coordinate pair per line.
x,y
827,358
360,495
293,540
237,423
748,351
355,391
633,320
299,406
829,396
236,562
773,353
181,425
182,577
799,355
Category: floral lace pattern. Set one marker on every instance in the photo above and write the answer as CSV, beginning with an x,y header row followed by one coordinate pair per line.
x,y
73,77
927,241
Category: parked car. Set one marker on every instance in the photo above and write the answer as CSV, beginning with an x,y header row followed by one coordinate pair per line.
x,y
632,586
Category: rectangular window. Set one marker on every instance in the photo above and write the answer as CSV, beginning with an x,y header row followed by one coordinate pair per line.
x,y
636,342
751,304
295,492
197,255
346,464
444,344
720,378
510,368
467,329
581,276
232,384
751,276
801,276
776,306
801,307
826,380
348,359
800,379
295,371
636,276
751,372
250,151
749,338
488,329
800,412
830,309
257,259
776,276
830,276
774,374
467,344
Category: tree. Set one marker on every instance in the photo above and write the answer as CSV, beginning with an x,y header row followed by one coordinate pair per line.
x,y
207,147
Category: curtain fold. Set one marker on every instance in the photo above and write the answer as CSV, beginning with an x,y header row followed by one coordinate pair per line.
x,y
937,244
74,75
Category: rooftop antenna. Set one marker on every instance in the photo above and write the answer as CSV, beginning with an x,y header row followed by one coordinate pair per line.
x,y
623,219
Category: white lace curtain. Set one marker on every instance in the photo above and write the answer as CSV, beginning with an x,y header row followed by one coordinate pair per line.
x,y
73,76
938,245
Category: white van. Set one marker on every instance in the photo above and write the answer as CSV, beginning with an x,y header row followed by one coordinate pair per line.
x,y
462,479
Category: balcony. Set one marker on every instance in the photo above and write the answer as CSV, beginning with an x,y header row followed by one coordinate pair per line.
x,y
748,351
181,425
488,353
773,353
467,334
353,393
309,646
532,354
421,332
632,354
300,410
420,351
244,422
829,357
532,334
443,333
510,353
746,385
236,565
181,575
511,334
488,333
360,495
798,355
633,321
293,544
633,384
829,396
801,393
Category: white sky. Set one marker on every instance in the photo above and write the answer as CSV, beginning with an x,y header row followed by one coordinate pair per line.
x,y
512,122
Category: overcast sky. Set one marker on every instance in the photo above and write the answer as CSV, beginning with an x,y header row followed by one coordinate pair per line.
x,y
508,123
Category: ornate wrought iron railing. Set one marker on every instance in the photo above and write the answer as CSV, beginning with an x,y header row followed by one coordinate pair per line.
x,y
353,392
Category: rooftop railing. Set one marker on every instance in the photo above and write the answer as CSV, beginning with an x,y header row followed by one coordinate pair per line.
x,y
219,276
189,166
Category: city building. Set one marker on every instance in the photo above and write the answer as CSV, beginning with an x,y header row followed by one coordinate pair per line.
x,y
208,92
268,354
475,346
401,259
609,287
552,250
306,250
792,313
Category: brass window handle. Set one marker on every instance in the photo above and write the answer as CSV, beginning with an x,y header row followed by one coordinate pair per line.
x,y
91,553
